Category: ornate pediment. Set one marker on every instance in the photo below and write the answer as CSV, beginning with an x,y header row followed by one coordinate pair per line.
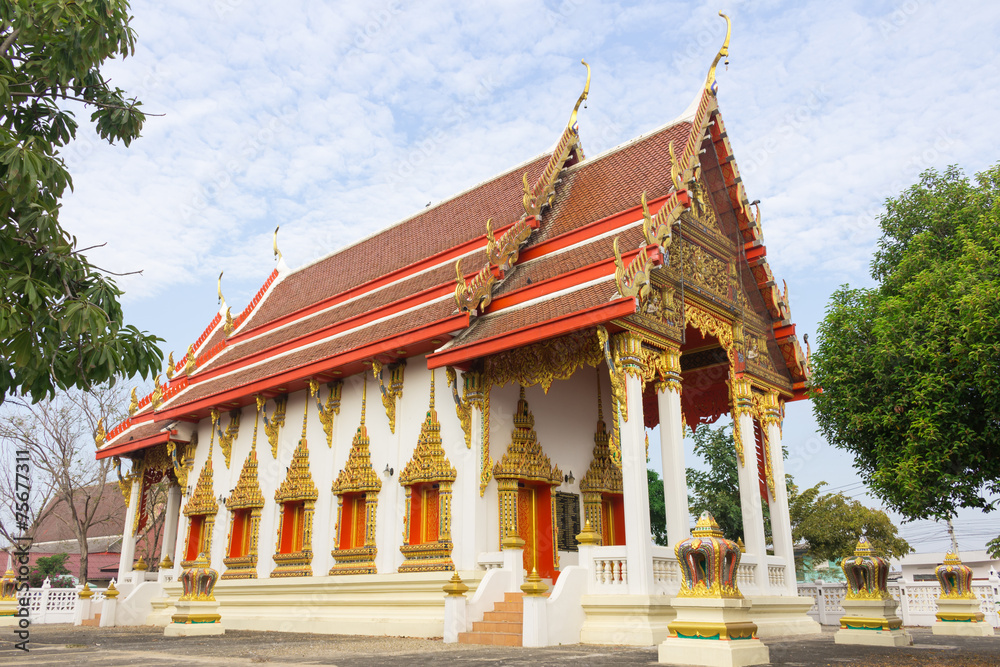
x,y
358,474
429,462
298,483
524,458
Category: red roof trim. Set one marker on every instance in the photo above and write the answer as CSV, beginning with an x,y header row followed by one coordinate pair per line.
x,y
385,345
343,326
444,256
533,333
133,445
592,229
567,280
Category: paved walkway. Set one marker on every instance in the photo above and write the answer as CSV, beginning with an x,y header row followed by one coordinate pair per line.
x,y
66,646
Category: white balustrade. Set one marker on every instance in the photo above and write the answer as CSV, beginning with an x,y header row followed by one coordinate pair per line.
x,y
491,560
610,570
52,605
917,601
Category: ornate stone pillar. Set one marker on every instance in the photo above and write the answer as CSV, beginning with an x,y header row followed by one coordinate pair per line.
x,y
668,396
635,485
746,461
781,524
172,517
128,535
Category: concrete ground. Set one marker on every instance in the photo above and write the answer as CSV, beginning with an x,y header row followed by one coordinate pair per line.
x,y
69,646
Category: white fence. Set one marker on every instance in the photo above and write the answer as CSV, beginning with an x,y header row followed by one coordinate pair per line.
x,y
917,601
56,605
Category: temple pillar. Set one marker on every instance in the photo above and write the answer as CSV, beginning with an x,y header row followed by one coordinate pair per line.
x,y
750,500
128,534
668,396
781,524
635,485
172,516
475,532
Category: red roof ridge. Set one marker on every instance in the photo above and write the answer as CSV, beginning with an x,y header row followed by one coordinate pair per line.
x,y
266,358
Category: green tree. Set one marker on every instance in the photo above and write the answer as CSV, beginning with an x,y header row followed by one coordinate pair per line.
x,y
657,508
51,567
828,525
61,324
716,489
831,524
908,368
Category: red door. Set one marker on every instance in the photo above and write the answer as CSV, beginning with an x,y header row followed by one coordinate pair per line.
x,y
534,520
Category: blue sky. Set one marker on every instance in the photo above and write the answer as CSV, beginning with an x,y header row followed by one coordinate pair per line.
x,y
334,120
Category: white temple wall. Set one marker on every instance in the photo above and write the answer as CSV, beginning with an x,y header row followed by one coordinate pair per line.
x,y
565,421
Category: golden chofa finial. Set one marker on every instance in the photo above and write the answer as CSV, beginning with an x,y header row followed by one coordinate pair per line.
x,y
710,83
277,253
583,98
222,299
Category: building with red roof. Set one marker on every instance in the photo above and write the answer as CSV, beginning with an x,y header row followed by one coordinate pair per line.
x,y
415,405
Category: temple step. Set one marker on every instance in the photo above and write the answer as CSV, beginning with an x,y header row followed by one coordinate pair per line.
x,y
500,627
94,622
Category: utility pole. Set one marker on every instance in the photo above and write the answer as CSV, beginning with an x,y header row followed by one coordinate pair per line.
x,y
954,540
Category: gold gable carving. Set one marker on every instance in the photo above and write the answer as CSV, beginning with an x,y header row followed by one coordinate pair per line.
x,y
247,494
524,458
298,483
429,462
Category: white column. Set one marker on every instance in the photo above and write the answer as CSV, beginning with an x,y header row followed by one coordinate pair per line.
x,y
171,519
668,396
781,523
635,485
470,538
750,500
128,536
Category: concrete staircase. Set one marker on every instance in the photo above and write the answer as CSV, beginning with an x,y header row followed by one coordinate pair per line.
x,y
500,627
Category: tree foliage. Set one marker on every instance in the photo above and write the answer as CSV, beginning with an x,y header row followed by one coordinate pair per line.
x,y
908,368
827,525
657,508
831,524
61,324
716,489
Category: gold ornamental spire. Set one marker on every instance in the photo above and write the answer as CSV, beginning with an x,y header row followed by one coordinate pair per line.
x,y
583,96
222,299
432,390
277,253
710,83
364,397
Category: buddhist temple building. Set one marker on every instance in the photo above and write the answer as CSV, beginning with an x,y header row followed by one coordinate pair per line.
x,y
481,378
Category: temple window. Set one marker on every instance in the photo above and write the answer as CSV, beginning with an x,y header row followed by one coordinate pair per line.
x,y
427,479
201,510
356,488
297,499
195,543
292,522
239,540
244,504
613,519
